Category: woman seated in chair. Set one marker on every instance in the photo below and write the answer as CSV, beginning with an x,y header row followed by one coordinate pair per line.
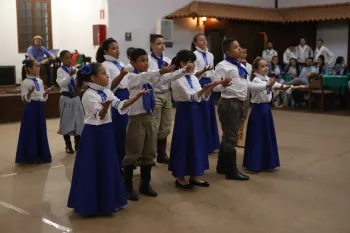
x,y
321,67
292,69
340,66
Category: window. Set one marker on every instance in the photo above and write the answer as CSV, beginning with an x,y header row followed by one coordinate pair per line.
x,y
33,18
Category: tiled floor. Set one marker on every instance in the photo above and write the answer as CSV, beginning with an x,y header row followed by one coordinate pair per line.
x,y
310,193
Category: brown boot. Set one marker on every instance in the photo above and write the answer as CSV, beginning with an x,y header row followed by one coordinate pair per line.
x,y
162,157
241,136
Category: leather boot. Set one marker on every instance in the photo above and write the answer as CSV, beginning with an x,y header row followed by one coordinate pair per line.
x,y
220,165
128,175
231,171
162,157
69,148
76,142
145,187
241,136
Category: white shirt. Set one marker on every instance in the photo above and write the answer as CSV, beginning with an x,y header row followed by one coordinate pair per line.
x,y
329,57
153,66
182,91
239,87
262,95
268,54
63,79
302,53
135,82
200,62
129,68
113,71
37,95
92,105
287,55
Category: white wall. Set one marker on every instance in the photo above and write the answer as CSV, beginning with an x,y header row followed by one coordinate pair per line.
x,y
71,28
296,3
140,16
335,36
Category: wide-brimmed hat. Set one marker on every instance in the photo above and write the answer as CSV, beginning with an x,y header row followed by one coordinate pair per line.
x,y
37,37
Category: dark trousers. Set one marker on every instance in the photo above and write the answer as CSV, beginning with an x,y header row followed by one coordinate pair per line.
x,y
230,115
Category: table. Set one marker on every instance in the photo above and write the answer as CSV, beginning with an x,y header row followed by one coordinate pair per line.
x,y
286,77
337,83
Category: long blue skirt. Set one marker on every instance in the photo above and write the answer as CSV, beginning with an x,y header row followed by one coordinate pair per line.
x,y
260,151
97,185
188,154
209,117
33,146
120,122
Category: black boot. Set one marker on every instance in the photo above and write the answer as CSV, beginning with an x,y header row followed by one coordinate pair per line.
x,y
69,148
128,175
162,157
231,170
76,142
220,166
145,187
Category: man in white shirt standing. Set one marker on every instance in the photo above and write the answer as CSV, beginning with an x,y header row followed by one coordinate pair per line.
x,y
322,50
269,53
302,52
288,54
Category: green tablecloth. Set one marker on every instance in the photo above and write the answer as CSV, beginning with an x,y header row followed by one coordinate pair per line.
x,y
337,83
286,77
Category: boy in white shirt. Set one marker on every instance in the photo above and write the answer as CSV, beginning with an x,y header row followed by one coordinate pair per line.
x,y
269,53
163,107
231,107
288,54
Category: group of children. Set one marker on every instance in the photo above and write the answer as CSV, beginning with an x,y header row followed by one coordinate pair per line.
x,y
124,119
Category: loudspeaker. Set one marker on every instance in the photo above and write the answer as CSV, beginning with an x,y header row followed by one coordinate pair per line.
x,y
7,75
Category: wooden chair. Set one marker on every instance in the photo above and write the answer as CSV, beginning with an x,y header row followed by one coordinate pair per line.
x,y
318,94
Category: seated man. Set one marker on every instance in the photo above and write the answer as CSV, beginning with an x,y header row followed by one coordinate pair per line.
x,y
38,52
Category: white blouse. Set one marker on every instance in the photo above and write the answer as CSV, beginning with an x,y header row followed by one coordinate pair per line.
x,y
129,68
113,71
183,92
264,95
135,82
267,54
63,79
153,66
92,105
37,94
200,62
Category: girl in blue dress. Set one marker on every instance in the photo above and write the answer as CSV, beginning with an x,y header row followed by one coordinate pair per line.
x,y
108,55
97,185
261,150
205,74
33,145
188,154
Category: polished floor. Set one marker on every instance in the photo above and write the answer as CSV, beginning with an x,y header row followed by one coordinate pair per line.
x,y
310,193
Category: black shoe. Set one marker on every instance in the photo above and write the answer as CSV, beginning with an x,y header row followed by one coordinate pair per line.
x,y
145,187
183,186
220,166
203,184
69,149
128,175
231,170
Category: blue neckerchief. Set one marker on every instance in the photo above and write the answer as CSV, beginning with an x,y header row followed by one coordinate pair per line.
x,y
117,64
149,102
242,72
102,94
189,80
160,60
71,84
37,87
204,58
